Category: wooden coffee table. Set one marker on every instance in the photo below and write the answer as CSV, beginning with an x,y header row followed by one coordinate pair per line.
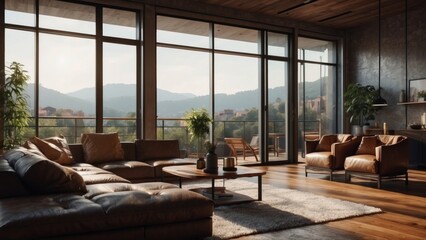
x,y
218,195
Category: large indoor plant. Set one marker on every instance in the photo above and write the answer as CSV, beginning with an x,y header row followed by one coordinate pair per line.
x,y
14,110
198,123
359,104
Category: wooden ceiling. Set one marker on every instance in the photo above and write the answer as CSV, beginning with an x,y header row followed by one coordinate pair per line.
x,y
341,14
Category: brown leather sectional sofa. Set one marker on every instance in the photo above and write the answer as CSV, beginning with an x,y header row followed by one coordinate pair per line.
x,y
42,199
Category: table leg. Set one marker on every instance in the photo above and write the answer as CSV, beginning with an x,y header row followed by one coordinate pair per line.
x,y
180,182
259,188
213,188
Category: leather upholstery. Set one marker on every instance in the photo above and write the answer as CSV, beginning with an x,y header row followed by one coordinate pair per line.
x,y
144,159
112,208
41,175
101,147
94,175
104,207
388,158
10,183
362,163
159,164
320,159
156,149
129,169
333,158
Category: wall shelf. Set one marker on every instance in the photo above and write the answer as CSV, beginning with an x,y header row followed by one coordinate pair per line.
x,y
411,103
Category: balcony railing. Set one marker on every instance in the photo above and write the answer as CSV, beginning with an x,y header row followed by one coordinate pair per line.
x,y
167,128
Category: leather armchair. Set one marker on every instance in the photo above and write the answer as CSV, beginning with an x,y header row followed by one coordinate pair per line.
x,y
328,154
379,157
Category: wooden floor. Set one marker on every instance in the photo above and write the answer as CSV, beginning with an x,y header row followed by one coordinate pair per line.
x,y
404,206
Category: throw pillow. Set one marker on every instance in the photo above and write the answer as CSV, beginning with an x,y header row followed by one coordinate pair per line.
x,y
368,145
32,148
325,142
101,147
52,152
44,176
61,143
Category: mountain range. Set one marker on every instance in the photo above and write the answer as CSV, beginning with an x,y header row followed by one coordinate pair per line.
x,y
120,99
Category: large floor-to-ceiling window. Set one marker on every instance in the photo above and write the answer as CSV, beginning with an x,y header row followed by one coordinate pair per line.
x,y
317,88
70,50
222,68
85,64
237,80
277,92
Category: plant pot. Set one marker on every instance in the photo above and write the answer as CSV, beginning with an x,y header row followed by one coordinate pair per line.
x,y
364,129
211,163
356,130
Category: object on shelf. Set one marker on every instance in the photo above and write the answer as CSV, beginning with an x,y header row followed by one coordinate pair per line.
x,y
415,126
402,96
385,129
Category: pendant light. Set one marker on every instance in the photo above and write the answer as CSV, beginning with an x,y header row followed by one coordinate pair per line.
x,y
379,101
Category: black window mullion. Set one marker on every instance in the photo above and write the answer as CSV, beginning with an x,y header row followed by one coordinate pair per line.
x,y
99,70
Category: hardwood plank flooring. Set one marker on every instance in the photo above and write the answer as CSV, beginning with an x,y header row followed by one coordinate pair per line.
x,y
404,206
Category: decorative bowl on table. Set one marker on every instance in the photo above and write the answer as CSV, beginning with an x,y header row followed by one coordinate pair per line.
x,y
415,126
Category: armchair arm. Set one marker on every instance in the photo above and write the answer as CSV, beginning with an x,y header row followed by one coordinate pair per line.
x,y
342,150
310,145
393,158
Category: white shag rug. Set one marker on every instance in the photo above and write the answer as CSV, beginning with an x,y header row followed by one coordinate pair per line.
x,y
280,209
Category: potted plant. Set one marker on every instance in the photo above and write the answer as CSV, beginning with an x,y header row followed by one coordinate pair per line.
x,y
359,104
421,96
14,110
198,122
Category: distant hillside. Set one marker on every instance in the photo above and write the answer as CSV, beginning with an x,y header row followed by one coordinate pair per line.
x,y
114,91
119,99
52,98
238,101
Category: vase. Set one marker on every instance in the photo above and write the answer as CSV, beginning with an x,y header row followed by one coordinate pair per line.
x,y
402,96
211,163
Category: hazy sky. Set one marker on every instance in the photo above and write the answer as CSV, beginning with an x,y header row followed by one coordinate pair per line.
x,y
68,64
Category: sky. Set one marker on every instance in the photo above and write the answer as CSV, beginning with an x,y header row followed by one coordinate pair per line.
x,y
67,64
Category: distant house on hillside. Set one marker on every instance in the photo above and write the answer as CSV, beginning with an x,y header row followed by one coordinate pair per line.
x,y
47,111
226,114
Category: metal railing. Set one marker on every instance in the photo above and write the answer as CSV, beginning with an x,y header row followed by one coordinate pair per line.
x,y
167,128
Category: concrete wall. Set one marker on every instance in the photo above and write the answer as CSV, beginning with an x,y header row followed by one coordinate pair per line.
x,y
363,62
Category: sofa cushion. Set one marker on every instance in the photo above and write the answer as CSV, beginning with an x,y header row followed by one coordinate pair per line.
x,y
52,151
368,145
11,185
50,216
156,149
44,176
319,159
362,163
129,169
101,147
94,175
160,203
159,164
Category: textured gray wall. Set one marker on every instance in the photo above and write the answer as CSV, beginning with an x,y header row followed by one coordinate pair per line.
x,y
363,62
